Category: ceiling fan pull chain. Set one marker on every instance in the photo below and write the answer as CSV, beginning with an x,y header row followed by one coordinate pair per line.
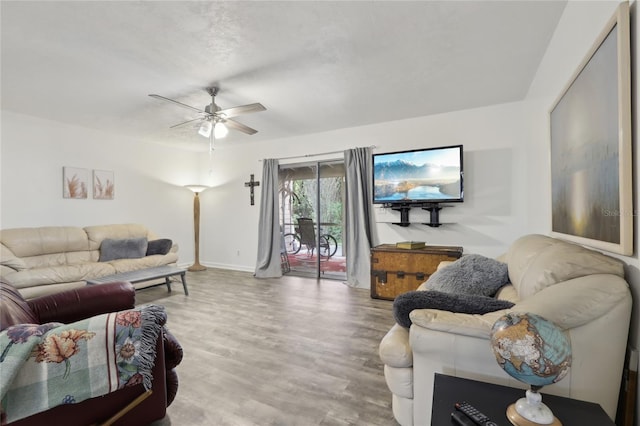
x,y
211,142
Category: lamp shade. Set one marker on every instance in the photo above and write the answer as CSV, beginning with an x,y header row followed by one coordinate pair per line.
x,y
205,129
197,188
220,130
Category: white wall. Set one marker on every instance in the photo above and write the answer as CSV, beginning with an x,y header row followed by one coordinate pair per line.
x,y
493,211
580,25
148,179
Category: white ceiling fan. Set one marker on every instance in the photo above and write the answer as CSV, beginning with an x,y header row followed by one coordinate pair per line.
x,y
215,118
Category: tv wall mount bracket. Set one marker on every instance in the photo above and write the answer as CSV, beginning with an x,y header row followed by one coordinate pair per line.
x,y
432,208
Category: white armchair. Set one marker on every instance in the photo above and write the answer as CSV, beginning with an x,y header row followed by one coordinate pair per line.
x,y
581,290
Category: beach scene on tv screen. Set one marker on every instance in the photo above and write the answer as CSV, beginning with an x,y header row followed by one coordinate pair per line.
x,y
430,175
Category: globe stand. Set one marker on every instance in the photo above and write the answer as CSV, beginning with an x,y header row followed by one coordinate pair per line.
x,y
530,411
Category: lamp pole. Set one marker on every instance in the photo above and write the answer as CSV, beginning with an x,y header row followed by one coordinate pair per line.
x,y
196,226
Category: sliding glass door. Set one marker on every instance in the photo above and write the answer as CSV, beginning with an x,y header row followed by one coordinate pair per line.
x,y
312,214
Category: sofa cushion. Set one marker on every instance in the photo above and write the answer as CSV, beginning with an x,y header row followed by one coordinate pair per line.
x,y
536,262
160,246
129,248
471,274
96,234
26,242
43,277
461,303
57,259
126,265
7,258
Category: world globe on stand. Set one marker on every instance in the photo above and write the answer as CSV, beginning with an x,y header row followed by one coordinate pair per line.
x,y
534,351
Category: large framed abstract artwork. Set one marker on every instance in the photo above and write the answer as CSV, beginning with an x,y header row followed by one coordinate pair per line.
x,y
591,165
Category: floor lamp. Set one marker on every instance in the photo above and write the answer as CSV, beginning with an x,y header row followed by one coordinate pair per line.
x,y
197,189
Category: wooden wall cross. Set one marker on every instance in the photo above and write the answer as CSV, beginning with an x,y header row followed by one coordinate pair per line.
x,y
251,184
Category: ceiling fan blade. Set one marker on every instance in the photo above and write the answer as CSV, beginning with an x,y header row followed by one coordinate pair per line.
x,y
185,122
239,126
243,109
162,98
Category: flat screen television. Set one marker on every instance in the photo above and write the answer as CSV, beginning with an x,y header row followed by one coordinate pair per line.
x,y
420,176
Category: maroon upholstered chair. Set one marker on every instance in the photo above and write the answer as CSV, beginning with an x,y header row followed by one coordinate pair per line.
x,y
85,302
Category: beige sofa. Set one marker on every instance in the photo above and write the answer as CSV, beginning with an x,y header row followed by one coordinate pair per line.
x,y
41,261
581,290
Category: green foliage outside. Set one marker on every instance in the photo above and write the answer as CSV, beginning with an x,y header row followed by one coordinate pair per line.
x,y
331,190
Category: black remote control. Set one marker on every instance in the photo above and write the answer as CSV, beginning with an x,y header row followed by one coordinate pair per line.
x,y
476,416
460,419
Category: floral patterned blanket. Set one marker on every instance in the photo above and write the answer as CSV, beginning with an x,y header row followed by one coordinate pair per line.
x,y
42,366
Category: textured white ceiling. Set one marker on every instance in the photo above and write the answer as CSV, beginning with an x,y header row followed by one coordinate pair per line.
x,y
315,65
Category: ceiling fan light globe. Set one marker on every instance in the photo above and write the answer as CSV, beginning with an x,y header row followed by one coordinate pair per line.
x,y
220,130
205,129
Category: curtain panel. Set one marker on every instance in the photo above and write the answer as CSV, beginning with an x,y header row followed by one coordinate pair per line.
x,y
269,241
359,216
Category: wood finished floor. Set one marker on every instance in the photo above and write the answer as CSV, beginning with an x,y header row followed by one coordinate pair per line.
x,y
290,351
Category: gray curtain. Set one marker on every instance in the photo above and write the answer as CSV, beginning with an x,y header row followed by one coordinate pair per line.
x,y
359,216
268,262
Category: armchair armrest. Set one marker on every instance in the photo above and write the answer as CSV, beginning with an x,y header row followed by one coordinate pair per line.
x,y
472,325
172,357
394,349
74,305
172,350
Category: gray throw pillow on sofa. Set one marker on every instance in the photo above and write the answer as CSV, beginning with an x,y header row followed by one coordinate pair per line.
x,y
471,274
130,248
161,246
462,303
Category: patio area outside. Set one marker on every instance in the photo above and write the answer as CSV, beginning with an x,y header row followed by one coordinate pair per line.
x,y
302,263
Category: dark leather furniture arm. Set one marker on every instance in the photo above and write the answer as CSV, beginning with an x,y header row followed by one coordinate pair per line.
x,y
73,305
172,358
172,350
